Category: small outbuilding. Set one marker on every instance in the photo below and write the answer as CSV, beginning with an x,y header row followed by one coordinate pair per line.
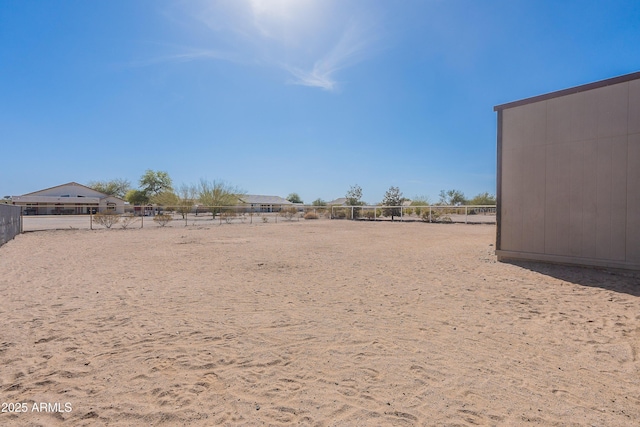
x,y
568,176
68,199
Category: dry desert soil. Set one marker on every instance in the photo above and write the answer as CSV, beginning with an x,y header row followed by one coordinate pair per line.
x,y
319,323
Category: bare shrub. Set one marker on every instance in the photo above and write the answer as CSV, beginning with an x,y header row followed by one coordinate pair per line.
x,y
311,215
288,213
430,215
106,219
436,215
126,220
369,214
228,216
340,213
265,219
163,219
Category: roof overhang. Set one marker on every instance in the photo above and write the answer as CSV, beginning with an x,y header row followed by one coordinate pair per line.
x,y
54,199
577,89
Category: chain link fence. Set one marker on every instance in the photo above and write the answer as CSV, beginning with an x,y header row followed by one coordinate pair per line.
x,y
10,224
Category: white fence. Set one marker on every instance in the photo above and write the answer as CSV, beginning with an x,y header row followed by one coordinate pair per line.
x,y
169,216
10,222
472,214
192,215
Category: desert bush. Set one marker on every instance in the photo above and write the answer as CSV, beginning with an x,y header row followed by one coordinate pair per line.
x,y
419,202
126,220
265,219
437,215
228,216
288,213
432,216
106,219
321,211
311,215
369,214
407,211
163,219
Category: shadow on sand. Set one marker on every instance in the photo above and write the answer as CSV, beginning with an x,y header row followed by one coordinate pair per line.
x,y
621,281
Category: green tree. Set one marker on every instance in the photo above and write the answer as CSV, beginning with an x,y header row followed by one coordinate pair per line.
x,y
354,196
187,196
217,194
165,198
294,198
116,187
393,197
483,199
319,202
155,182
452,198
137,197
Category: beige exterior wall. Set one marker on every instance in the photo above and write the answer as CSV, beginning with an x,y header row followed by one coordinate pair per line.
x,y
570,178
71,198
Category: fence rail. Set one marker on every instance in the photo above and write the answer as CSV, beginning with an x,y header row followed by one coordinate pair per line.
x,y
485,214
199,215
10,223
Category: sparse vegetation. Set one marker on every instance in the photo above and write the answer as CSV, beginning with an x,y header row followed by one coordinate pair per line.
x,y
163,219
420,202
106,219
228,216
288,213
127,220
311,215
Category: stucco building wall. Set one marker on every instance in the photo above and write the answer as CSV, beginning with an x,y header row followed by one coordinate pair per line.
x,y
569,176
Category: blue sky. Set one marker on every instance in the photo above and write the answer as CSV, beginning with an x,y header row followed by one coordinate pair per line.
x,y
281,96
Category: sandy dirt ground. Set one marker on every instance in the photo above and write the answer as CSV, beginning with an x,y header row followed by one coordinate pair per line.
x,y
320,323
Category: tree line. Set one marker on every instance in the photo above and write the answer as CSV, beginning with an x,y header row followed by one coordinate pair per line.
x,y
157,187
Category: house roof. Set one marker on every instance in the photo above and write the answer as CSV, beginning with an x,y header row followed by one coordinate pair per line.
x,y
254,199
570,91
75,184
338,201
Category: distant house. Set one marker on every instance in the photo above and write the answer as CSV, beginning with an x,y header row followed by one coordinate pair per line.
x,y
341,201
68,199
257,203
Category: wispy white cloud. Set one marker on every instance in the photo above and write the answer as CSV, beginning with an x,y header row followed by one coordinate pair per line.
x,y
186,55
311,40
351,48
